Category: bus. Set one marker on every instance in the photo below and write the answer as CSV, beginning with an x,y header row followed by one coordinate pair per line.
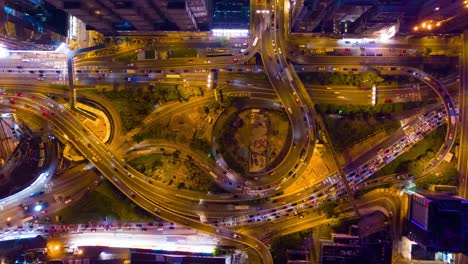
x,y
255,42
172,76
41,163
453,116
241,207
218,54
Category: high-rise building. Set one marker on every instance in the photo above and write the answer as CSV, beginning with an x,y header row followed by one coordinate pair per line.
x,y
29,24
377,19
370,17
108,16
307,14
200,11
439,222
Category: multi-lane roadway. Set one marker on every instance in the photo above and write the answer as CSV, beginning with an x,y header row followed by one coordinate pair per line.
x,y
292,95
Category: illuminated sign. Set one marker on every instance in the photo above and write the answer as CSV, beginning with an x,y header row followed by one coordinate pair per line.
x,y
230,32
388,33
3,52
72,27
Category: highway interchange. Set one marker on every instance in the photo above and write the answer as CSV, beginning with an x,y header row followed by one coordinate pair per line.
x,y
243,226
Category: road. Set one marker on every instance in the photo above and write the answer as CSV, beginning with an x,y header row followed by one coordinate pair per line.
x,y
291,93
463,152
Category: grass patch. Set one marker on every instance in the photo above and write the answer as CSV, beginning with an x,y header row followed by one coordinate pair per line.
x,y
445,174
147,163
416,159
354,123
182,53
361,192
174,171
346,132
367,111
365,79
104,201
135,103
328,208
124,58
59,86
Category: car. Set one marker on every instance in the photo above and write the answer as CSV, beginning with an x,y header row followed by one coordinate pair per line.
x,y
236,236
36,194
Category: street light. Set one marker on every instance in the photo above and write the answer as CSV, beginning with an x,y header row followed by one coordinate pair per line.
x,y
54,248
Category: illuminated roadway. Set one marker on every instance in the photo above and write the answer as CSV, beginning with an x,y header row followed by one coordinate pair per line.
x,y
90,147
107,164
111,172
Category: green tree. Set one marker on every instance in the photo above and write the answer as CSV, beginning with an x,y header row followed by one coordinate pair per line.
x,y
138,137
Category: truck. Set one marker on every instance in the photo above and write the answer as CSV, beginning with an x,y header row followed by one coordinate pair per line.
x,y
329,50
453,120
27,219
131,71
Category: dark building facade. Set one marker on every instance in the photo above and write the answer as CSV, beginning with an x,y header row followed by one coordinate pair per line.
x,y
108,16
31,24
353,16
345,249
438,221
306,15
